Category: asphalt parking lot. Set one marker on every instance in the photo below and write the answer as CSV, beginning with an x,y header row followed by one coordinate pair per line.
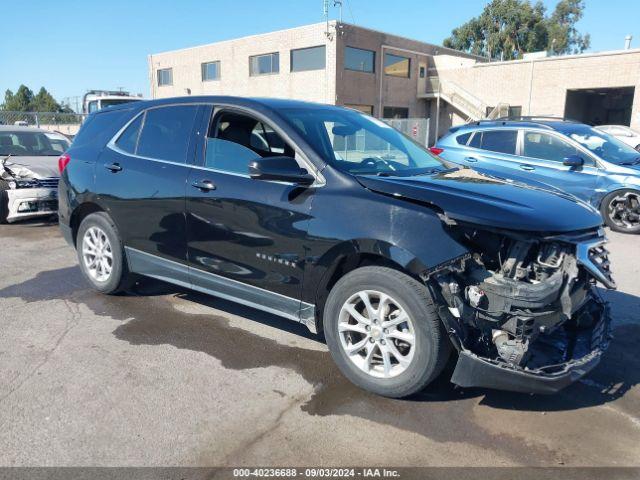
x,y
169,377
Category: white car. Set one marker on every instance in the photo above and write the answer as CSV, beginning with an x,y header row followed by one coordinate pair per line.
x,y
623,133
29,172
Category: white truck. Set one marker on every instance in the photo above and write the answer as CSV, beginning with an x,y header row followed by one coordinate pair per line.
x,y
95,100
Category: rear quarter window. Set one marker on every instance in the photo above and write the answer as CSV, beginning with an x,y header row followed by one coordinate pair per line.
x,y
100,127
463,139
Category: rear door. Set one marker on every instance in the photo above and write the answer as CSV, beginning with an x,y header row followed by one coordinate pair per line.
x,y
141,178
493,152
246,237
542,157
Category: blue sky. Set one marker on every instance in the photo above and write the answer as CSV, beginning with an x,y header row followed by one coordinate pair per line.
x,y
70,46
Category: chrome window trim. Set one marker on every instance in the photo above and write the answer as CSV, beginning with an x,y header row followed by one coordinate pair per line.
x,y
311,168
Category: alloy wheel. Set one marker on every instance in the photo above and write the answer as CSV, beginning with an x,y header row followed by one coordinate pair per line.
x,y
377,334
624,210
97,254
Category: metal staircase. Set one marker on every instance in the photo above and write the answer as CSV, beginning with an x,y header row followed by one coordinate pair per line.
x,y
473,107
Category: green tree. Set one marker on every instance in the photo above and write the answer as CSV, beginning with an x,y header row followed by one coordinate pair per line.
x,y
21,101
25,101
506,29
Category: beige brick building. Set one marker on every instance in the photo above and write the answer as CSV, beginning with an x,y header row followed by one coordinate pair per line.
x,y
394,77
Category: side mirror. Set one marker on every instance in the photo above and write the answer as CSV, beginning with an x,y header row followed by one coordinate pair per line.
x,y
573,161
282,169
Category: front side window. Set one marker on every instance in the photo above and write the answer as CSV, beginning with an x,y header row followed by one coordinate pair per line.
x,y
360,144
501,141
396,66
603,145
359,60
304,59
165,77
264,64
546,147
210,71
166,133
236,139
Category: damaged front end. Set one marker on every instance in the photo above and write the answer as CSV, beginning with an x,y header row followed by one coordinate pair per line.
x,y
523,309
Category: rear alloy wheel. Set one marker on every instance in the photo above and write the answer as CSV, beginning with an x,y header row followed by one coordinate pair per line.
x,y
621,211
383,331
101,255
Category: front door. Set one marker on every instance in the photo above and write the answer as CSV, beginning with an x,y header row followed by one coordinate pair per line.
x,y
245,236
542,160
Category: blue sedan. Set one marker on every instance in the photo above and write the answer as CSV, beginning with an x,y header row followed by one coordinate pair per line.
x,y
572,157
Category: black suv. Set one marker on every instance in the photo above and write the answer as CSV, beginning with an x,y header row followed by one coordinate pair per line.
x,y
329,217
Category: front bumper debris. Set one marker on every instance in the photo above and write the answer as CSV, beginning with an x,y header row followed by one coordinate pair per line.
x,y
31,202
580,352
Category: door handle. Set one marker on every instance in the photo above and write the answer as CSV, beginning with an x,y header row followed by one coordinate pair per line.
x,y
204,185
526,167
113,167
471,159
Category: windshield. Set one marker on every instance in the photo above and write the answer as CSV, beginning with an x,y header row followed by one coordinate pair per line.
x,y
360,144
605,146
31,144
119,101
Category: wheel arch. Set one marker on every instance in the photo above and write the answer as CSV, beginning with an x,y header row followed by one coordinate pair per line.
x,y
80,213
350,255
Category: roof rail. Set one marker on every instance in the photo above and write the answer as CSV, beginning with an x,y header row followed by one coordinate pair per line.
x,y
534,118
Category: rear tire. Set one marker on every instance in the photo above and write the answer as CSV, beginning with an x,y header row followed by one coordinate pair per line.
x,y
101,254
397,358
621,210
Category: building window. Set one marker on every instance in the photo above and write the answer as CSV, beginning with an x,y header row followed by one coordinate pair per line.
x,y
396,66
368,109
515,111
264,64
395,112
423,71
210,71
313,58
359,60
165,77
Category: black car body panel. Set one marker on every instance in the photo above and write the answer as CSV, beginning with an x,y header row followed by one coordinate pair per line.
x,y
279,246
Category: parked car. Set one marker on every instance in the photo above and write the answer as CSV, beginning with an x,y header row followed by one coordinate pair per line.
x,y
623,133
29,172
329,217
572,157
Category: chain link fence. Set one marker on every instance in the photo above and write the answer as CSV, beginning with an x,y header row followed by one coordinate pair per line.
x,y
416,128
66,123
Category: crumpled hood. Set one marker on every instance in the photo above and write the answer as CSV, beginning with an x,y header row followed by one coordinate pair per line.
x,y
469,196
33,167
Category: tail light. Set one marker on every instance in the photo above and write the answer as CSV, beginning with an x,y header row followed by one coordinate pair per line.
x,y
436,150
63,161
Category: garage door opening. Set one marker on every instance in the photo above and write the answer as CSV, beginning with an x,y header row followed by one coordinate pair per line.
x,y
600,106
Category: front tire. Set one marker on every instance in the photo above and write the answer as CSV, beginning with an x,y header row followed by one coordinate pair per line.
x,y
101,254
383,332
621,210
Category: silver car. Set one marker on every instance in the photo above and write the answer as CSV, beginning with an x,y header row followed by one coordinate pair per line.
x,y
29,172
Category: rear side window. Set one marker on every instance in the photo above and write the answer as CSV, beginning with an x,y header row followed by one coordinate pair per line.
x,y
501,141
129,138
166,133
